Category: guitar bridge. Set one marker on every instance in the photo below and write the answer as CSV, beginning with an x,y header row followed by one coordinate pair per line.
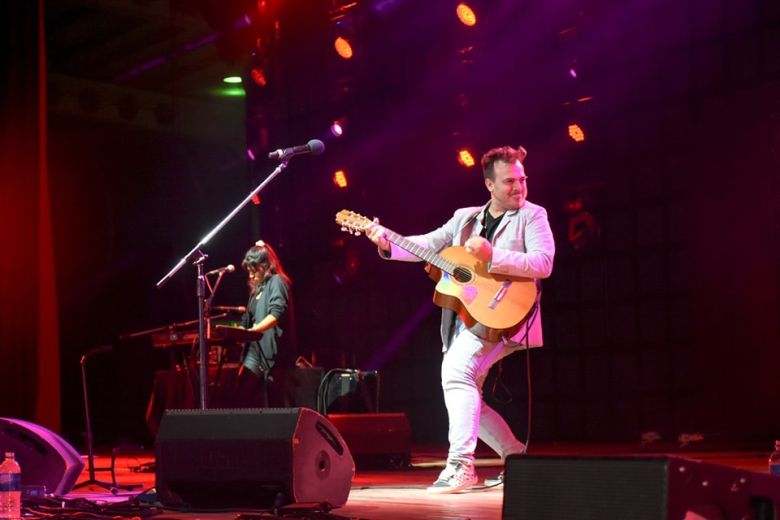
x,y
499,294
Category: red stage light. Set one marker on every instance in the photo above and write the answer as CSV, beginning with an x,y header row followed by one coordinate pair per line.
x,y
340,179
466,15
258,76
343,48
465,158
576,132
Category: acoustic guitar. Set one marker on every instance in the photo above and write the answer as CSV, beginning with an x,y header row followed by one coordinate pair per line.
x,y
492,306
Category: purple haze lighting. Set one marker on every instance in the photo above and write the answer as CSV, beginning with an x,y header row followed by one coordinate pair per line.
x,y
155,62
385,7
387,350
242,22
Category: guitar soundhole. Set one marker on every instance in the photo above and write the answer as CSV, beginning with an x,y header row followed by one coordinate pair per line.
x,y
462,275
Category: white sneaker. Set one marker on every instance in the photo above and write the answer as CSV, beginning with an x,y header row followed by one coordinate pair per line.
x,y
456,477
495,480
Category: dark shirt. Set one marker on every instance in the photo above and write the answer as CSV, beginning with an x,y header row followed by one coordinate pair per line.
x,y
490,224
276,347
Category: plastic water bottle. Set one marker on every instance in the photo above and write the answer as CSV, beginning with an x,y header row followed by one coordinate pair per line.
x,y
10,488
774,460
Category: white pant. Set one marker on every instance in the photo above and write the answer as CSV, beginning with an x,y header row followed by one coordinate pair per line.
x,y
463,371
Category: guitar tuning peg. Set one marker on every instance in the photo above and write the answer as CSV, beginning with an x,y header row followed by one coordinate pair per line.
x,y
357,233
343,228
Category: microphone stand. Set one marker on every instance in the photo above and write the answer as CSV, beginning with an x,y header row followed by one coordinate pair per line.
x,y
111,486
197,257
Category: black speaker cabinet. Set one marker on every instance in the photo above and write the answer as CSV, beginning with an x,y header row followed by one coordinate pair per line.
x,y
376,439
258,458
46,458
635,487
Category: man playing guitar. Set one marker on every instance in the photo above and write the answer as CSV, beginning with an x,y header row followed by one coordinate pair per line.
x,y
507,241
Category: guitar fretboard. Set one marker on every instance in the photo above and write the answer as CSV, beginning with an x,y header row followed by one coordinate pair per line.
x,y
421,252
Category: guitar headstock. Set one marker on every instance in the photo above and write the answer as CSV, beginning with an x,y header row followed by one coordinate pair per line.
x,y
352,222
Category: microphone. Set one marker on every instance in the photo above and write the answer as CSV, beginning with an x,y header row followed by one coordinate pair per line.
x,y
227,308
222,270
314,147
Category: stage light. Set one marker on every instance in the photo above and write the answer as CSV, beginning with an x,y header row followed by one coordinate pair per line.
x,y
229,92
573,73
466,15
576,132
465,158
250,154
336,129
340,179
343,48
258,76
232,80
574,205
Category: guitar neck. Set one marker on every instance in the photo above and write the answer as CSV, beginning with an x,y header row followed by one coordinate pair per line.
x,y
420,252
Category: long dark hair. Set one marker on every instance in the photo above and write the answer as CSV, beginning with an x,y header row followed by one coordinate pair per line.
x,y
263,255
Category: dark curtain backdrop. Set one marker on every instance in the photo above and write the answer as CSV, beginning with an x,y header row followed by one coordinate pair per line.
x,y
29,344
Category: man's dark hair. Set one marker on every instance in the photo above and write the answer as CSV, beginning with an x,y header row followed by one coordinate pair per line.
x,y
506,154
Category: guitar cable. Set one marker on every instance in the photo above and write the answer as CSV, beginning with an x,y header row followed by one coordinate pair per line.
x,y
509,343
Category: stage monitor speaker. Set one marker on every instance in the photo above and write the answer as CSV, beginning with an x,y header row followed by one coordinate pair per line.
x,y
46,458
636,487
376,439
251,457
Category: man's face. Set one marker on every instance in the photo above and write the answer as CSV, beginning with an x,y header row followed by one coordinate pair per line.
x,y
508,191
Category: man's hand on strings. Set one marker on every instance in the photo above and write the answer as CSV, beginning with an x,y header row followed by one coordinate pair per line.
x,y
378,235
480,248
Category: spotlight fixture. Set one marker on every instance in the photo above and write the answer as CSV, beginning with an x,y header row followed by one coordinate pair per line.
x,y
343,47
466,15
465,158
336,128
340,179
576,133
258,76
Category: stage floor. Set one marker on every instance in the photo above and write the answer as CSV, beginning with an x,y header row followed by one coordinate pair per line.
x,y
386,494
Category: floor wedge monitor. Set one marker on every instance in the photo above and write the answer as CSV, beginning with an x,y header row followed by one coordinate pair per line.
x,y
46,458
259,458
651,487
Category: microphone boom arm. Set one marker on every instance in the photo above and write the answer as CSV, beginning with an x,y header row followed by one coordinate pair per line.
x,y
203,241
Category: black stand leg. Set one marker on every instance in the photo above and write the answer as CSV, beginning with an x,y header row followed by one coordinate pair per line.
x,y
111,486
